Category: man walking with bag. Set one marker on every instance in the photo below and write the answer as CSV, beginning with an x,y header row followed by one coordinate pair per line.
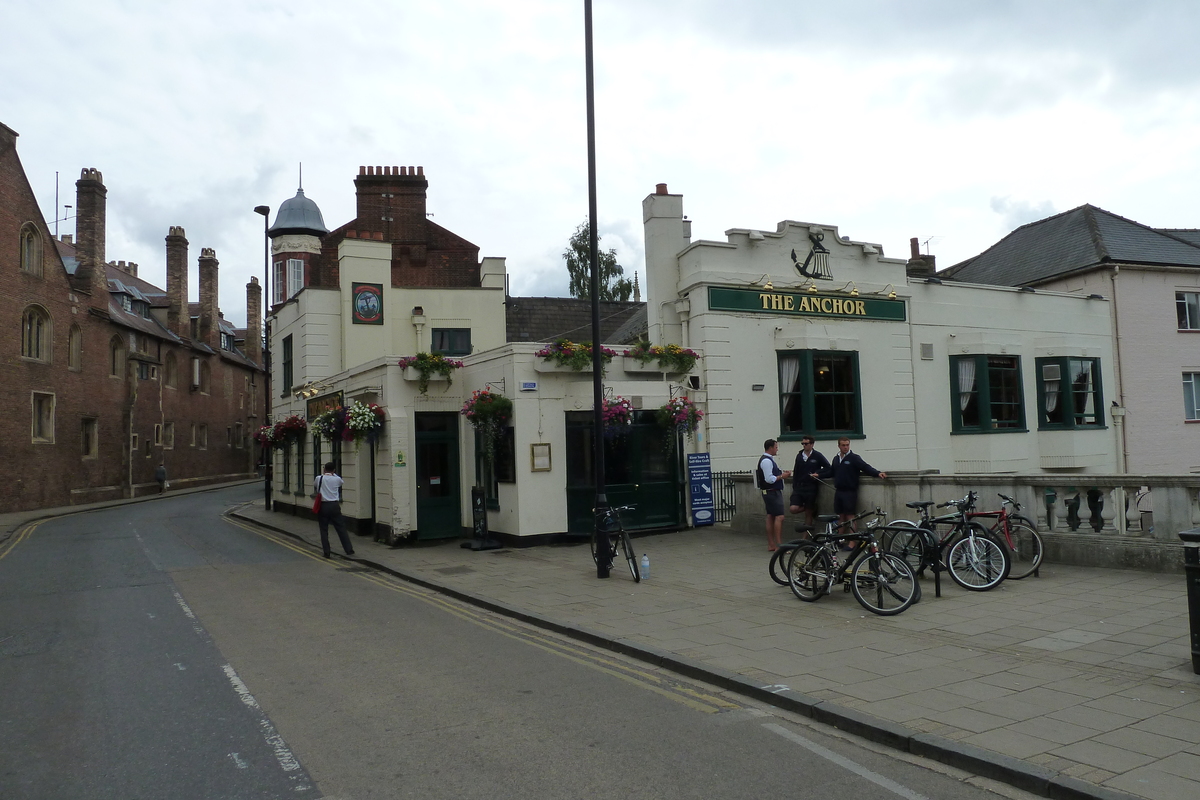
x,y
328,487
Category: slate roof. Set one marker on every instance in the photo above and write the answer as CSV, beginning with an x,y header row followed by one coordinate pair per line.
x,y
544,319
1082,237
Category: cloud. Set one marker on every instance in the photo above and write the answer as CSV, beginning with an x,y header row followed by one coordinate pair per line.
x,y
1016,213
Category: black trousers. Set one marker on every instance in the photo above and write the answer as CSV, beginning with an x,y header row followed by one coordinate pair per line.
x,y
332,513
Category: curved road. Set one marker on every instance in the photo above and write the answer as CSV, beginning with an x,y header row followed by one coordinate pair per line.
x,y
162,650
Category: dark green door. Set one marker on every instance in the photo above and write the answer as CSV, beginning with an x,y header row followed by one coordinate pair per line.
x,y
641,470
439,515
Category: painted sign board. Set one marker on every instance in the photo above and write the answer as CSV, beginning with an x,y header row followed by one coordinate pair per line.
x,y
699,467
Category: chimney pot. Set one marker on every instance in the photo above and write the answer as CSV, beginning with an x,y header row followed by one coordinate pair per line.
x,y
421,171
660,188
915,247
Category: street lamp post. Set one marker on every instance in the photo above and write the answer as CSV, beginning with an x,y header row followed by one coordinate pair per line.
x,y
267,458
600,536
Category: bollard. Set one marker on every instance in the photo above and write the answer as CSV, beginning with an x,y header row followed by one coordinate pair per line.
x,y
1191,571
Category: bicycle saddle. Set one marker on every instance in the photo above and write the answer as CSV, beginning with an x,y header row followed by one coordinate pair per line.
x,y
919,504
825,518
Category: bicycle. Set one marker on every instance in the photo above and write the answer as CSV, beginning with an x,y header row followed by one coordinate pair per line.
x,y
1019,533
966,550
609,522
777,566
882,583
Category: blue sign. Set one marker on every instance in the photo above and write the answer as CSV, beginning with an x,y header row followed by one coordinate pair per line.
x,y
699,467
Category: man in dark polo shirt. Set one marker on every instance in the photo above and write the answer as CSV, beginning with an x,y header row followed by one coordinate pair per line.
x,y
810,465
846,468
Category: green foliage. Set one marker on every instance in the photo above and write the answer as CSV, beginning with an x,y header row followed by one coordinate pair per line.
x,y
613,284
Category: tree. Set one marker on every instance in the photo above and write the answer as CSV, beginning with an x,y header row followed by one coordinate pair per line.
x,y
613,284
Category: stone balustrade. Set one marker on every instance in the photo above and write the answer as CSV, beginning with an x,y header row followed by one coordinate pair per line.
x,y
1129,521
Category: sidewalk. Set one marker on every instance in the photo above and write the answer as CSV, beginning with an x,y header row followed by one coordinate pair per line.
x,y
1077,683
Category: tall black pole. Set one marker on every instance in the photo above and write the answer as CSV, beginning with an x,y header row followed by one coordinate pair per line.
x,y
602,549
268,461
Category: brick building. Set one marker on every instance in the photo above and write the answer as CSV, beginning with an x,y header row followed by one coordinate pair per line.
x,y
106,376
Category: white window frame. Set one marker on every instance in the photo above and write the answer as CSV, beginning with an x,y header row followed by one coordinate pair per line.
x,y
295,276
1191,396
1187,310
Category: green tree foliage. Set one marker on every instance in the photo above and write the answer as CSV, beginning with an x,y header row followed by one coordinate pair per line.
x,y
613,284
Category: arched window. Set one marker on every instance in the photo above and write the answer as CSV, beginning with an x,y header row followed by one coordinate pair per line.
x,y
31,250
75,349
171,371
116,349
35,334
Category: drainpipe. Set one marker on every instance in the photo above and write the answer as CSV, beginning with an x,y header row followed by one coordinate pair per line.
x,y
1118,412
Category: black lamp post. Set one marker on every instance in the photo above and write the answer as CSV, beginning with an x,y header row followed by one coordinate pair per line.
x,y
600,535
268,461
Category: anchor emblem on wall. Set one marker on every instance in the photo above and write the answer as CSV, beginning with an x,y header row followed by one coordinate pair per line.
x,y
816,265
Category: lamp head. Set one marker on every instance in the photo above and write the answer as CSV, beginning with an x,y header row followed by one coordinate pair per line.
x,y
264,210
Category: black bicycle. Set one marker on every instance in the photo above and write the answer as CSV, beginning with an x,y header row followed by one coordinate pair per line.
x,y
950,542
608,524
882,583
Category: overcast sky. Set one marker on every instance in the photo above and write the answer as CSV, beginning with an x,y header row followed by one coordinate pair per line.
x,y
949,121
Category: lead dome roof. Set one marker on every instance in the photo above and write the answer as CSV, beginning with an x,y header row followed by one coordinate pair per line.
x,y
298,215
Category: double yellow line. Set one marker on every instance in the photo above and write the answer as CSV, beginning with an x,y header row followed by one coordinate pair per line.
x,y
22,535
661,684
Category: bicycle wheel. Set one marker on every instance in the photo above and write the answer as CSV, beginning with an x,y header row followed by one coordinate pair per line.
x,y
976,562
883,584
627,546
610,549
908,544
778,565
1025,548
808,572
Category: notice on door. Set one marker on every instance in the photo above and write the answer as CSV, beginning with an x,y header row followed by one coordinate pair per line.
x,y
699,466
435,480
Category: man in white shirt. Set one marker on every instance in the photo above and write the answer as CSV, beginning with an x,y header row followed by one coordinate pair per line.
x,y
771,480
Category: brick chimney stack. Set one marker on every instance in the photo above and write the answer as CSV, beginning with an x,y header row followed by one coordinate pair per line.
x,y
254,321
179,321
90,210
391,202
209,315
919,266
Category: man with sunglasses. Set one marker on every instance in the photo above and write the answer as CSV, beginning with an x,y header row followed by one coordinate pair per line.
x,y
810,465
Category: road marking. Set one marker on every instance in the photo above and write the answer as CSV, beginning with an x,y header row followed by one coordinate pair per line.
x,y
21,536
282,753
845,763
238,761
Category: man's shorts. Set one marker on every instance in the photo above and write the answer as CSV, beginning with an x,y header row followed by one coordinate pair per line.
x,y
845,501
774,503
805,498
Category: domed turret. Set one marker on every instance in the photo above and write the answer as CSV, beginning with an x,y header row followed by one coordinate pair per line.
x,y
298,215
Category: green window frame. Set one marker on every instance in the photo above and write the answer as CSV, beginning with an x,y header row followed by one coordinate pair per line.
x,y
1191,396
819,393
986,394
1070,394
286,388
450,341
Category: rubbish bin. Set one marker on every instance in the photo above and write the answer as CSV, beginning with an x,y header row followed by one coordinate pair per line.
x,y
1191,572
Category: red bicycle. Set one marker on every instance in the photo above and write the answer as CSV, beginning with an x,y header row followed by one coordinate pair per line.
x,y
1019,533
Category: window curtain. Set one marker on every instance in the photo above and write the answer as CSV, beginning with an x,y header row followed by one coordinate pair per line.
x,y
789,370
966,382
1081,385
1053,391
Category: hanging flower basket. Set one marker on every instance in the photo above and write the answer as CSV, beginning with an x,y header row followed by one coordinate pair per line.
x,y
265,436
617,414
354,423
489,413
363,421
679,415
426,365
288,430
578,357
670,358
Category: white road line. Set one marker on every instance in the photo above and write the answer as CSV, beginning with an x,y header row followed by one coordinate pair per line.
x,y
270,735
845,763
